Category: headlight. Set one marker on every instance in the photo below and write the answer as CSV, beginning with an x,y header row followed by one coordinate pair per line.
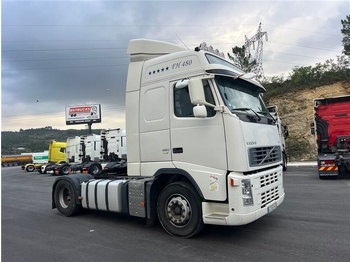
x,y
247,192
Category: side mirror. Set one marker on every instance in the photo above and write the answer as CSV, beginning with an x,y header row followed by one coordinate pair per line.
x,y
200,111
195,87
312,128
196,90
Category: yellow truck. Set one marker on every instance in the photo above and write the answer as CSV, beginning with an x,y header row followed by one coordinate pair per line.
x,y
56,153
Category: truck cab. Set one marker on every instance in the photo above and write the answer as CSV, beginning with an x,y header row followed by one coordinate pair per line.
x,y
56,156
195,115
331,128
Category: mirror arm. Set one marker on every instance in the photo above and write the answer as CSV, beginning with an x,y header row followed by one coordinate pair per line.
x,y
219,108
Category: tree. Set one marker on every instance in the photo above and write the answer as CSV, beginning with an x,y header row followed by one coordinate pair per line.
x,y
239,58
346,32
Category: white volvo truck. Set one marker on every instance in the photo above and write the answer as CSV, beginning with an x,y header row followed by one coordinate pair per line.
x,y
202,147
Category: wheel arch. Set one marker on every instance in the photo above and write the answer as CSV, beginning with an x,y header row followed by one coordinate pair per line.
x,y
170,175
75,180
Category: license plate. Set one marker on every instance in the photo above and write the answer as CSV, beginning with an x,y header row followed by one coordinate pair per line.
x,y
272,207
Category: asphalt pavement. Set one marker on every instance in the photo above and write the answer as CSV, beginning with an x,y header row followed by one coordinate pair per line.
x,y
312,224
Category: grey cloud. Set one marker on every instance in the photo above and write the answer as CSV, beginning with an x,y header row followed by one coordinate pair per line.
x,y
81,45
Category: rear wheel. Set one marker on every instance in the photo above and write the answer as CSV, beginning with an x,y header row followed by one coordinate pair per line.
x,y
95,169
64,169
179,210
30,168
65,198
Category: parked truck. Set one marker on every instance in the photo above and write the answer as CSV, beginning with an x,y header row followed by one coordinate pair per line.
x,y
112,154
98,155
202,147
282,131
38,159
331,128
82,150
73,157
16,160
73,148
56,153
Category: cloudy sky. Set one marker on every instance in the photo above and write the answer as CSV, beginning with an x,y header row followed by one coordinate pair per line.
x,y
62,53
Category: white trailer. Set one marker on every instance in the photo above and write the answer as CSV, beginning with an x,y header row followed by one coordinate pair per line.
x,y
202,146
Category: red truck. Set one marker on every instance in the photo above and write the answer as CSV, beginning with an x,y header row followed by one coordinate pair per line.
x,y
331,128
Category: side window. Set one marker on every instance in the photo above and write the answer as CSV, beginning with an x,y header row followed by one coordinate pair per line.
x,y
209,98
182,103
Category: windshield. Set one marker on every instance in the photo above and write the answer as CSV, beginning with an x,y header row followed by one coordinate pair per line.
x,y
240,95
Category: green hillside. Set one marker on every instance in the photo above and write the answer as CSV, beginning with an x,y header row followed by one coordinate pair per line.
x,y
36,140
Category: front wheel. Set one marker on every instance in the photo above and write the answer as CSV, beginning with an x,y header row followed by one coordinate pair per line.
x,y
65,198
179,210
30,168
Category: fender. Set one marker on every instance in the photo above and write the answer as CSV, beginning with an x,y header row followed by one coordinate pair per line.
x,y
181,172
75,180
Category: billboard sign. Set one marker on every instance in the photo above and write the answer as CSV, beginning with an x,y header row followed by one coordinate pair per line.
x,y
83,114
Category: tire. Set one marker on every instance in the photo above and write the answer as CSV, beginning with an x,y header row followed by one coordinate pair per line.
x,y
95,169
64,169
284,161
38,168
180,198
30,168
43,172
65,199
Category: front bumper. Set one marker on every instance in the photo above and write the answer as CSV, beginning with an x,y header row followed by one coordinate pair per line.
x,y
267,191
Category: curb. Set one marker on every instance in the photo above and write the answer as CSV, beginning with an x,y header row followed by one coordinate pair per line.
x,y
309,163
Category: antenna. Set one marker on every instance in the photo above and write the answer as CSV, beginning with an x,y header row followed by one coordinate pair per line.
x,y
258,69
182,42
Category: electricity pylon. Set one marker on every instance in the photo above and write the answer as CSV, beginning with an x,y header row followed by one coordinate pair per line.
x,y
258,37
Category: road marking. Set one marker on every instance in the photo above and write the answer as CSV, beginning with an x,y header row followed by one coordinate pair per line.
x,y
294,174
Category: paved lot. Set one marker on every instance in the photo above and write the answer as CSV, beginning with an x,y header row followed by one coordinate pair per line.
x,y
313,224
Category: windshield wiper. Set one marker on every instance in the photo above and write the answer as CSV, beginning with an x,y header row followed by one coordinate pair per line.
x,y
274,120
248,109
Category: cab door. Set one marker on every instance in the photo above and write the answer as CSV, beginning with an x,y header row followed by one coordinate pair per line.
x,y
198,144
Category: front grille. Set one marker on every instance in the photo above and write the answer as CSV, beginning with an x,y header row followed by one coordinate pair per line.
x,y
269,196
260,156
268,179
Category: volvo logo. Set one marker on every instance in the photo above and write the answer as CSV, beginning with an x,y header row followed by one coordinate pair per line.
x,y
251,143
